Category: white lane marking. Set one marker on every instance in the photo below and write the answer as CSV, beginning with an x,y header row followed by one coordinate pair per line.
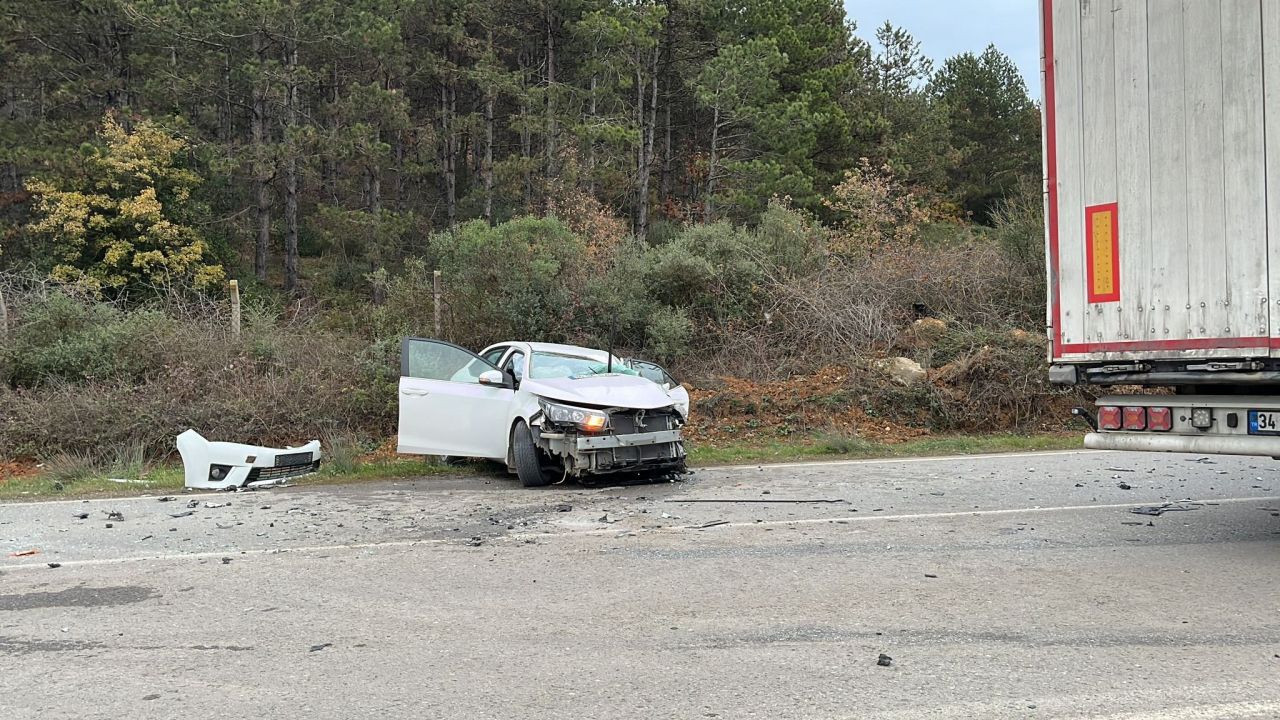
x,y
672,529
1225,711
845,519
899,461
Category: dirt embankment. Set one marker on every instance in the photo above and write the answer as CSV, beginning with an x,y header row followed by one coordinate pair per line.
x,y
935,379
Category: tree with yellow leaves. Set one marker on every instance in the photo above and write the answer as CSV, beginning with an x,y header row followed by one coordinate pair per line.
x,y
126,219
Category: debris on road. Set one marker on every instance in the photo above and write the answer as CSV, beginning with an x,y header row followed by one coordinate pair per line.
x,y
760,500
185,513
1125,486
476,541
609,519
115,515
563,507
55,566
226,561
1158,510
82,516
928,575
215,506
167,498
321,646
713,523
25,553
884,660
1120,469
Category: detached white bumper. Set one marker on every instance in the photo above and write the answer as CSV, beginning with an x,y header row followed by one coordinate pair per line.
x,y
1206,444
222,465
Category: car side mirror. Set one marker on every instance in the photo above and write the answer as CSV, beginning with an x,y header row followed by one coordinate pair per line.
x,y
493,378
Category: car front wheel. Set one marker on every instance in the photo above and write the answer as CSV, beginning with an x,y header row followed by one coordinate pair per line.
x,y
531,467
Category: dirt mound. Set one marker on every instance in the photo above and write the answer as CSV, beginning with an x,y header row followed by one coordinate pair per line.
x,y
15,468
731,410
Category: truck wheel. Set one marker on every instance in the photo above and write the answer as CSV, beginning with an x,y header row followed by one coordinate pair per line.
x,y
528,459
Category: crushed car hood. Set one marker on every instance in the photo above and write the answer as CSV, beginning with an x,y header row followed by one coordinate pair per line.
x,y
623,391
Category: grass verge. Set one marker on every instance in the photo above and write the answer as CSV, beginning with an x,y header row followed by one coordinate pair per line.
x,y
77,477
60,480
851,448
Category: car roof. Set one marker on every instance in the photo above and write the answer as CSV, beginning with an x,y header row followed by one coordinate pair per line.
x,y
575,350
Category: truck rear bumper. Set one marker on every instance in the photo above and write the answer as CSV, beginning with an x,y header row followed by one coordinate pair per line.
x,y
1207,444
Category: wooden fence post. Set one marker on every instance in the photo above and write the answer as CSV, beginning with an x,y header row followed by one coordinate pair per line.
x,y
235,308
4,317
435,294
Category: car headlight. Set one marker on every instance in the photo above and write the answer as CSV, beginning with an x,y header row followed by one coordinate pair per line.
x,y
587,420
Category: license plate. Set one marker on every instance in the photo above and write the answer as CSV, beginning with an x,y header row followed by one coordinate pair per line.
x,y
1264,422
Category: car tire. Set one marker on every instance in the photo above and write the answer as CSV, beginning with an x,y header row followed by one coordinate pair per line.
x,y
528,459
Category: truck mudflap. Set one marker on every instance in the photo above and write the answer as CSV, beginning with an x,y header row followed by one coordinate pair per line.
x,y
1205,444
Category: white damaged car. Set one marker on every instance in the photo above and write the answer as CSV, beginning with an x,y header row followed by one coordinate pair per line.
x,y
545,411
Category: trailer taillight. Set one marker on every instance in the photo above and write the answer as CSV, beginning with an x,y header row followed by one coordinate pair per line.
x,y
1135,418
1109,417
1159,419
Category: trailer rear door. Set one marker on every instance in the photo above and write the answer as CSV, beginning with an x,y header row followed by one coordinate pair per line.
x,y
1157,121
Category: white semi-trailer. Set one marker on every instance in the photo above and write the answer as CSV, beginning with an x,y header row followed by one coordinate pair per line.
x,y
1162,192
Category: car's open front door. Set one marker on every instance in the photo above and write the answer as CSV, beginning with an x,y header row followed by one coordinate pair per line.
x,y
444,408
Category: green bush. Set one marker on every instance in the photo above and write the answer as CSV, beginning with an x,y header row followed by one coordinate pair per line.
x,y
514,280
63,338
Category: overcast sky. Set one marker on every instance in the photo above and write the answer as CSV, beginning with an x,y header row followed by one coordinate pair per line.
x,y
949,27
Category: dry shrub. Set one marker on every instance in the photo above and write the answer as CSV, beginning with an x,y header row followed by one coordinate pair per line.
x,y
283,380
873,208
599,227
858,306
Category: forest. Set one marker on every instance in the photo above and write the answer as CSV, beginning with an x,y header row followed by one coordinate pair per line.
x,y
740,187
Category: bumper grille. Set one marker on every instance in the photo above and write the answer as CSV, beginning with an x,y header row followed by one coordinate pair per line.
x,y
282,472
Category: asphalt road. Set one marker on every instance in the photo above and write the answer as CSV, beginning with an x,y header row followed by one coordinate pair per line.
x,y
1011,586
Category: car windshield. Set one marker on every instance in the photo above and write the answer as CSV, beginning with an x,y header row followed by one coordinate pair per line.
x,y
553,366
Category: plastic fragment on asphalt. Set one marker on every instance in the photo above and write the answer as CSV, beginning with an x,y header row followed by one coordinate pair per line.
x,y
1158,510
25,553
812,501
884,660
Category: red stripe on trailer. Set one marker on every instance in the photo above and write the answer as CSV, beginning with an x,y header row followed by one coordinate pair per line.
x,y
1192,344
1051,172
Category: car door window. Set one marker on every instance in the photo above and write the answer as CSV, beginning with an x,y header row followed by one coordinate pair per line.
x,y
493,356
435,360
654,372
515,365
